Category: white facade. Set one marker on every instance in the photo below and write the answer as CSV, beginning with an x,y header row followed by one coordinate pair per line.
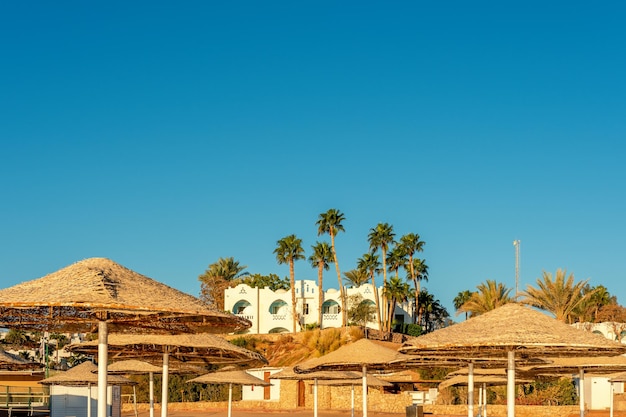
x,y
598,388
271,311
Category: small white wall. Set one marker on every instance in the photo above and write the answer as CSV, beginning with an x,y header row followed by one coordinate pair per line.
x,y
257,393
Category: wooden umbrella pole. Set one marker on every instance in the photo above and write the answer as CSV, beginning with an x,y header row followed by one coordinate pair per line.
x,y
135,400
102,368
352,401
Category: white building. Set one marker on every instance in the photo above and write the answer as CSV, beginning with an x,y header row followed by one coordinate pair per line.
x,y
597,389
271,311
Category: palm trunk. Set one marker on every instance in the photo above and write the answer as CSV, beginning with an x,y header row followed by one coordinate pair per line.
x,y
378,318
392,308
385,303
342,293
292,282
320,300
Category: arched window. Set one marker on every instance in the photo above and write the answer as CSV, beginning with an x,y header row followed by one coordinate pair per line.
x,y
277,306
240,306
279,330
330,307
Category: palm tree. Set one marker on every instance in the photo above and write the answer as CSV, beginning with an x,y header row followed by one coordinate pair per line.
x,y
330,222
420,273
396,291
460,299
321,259
433,314
370,264
396,259
490,295
288,250
356,277
219,276
380,237
558,296
411,244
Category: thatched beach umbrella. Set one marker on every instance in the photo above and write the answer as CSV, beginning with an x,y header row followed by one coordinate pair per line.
x,y
601,365
317,377
185,349
361,355
84,374
372,381
11,362
230,377
133,366
100,294
511,331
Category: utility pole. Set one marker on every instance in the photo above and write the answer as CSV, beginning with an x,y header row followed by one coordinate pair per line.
x,y
516,243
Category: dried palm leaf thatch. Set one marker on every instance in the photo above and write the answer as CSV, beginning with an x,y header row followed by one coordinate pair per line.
x,y
77,297
363,352
11,362
512,327
84,374
591,365
132,366
201,348
621,377
237,377
371,381
290,374
480,379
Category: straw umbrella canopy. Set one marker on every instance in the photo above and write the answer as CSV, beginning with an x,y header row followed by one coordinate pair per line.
x,y
100,294
11,362
83,374
318,377
372,381
602,365
230,377
361,355
186,350
133,366
511,331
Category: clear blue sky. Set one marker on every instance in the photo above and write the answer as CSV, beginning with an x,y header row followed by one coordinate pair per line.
x,y
165,135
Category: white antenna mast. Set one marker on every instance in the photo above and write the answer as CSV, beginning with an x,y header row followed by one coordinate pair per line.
x,y
516,243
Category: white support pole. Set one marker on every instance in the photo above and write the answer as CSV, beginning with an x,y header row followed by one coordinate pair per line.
x,y
230,399
364,391
484,400
470,389
165,387
510,384
135,401
151,394
352,402
315,397
89,399
611,399
581,391
102,368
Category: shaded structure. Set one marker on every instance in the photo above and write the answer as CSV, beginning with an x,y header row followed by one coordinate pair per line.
x,y
11,362
136,367
362,355
601,365
230,376
82,377
100,295
513,332
189,351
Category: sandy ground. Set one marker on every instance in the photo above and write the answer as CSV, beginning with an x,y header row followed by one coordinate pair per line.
x,y
309,413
